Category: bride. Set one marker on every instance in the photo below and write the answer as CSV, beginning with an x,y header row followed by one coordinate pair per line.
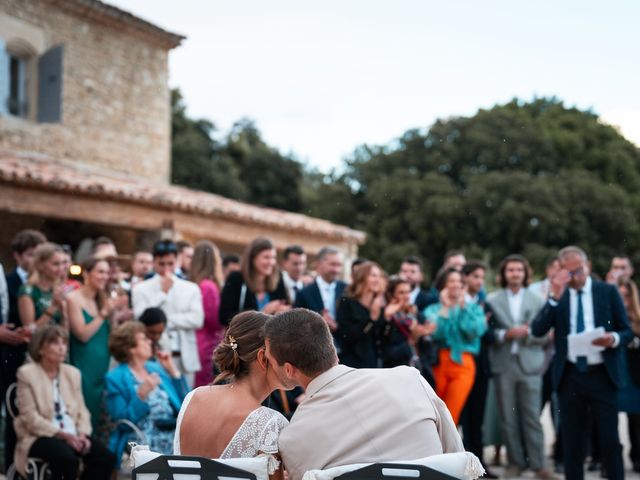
x,y
228,421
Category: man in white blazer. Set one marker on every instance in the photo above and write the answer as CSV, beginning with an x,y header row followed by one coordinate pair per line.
x,y
181,302
351,415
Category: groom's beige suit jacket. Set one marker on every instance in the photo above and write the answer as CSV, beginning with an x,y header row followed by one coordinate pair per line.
x,y
366,415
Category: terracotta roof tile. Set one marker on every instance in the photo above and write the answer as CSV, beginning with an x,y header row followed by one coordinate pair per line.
x,y
41,172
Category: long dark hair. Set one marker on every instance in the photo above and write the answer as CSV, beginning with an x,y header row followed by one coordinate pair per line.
x,y
360,276
502,280
88,265
257,246
242,341
206,263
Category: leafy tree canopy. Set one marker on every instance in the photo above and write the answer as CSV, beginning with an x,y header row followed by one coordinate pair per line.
x,y
526,177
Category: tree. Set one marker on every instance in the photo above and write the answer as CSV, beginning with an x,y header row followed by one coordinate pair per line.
x,y
196,161
520,177
242,167
269,178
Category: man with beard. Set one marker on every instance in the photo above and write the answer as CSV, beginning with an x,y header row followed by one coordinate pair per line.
x,y
517,359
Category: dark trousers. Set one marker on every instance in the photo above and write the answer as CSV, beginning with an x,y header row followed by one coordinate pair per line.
x,y
580,393
634,436
64,461
473,415
11,358
549,396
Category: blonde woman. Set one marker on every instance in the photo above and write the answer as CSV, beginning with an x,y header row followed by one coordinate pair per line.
x,y
42,299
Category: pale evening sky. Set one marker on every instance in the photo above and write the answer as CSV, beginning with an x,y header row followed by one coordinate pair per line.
x,y
322,77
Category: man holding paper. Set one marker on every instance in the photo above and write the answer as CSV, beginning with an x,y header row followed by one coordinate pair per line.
x,y
586,374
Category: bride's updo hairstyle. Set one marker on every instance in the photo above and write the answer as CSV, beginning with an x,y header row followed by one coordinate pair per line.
x,y
242,341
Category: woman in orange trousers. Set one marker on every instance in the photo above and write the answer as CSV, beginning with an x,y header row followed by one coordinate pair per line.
x,y
459,328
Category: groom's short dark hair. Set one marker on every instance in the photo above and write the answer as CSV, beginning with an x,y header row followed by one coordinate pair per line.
x,y
302,338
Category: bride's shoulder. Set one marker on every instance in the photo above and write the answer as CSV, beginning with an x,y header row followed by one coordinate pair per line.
x,y
270,416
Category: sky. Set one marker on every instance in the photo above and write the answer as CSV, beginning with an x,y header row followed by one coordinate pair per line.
x,y
320,78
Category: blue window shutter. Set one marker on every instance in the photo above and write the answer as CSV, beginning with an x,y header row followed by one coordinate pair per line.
x,y
50,85
4,79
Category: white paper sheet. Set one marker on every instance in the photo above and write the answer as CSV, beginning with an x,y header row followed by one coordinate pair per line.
x,y
580,343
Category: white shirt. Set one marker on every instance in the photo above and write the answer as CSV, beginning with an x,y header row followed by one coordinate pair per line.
x,y
594,357
328,294
469,299
23,274
63,421
293,286
515,304
183,307
4,297
515,308
414,294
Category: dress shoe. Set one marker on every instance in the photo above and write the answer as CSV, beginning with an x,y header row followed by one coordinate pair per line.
x,y
594,467
512,471
545,474
489,474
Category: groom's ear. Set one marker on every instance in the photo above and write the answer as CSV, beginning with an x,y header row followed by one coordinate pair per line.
x,y
290,370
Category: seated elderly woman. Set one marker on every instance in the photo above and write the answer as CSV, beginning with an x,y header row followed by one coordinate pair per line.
x,y
147,393
53,421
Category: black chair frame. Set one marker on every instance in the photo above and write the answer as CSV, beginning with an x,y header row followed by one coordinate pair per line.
x,y
376,472
208,470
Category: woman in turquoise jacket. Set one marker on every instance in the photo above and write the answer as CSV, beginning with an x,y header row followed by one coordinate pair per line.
x,y
460,324
145,392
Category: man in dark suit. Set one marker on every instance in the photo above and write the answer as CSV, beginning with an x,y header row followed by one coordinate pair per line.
x,y
411,271
13,345
323,294
586,382
472,417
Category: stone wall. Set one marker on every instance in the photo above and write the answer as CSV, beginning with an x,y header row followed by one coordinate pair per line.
x,y
116,105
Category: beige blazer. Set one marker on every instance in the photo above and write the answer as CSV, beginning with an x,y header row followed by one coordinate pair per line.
x,y
36,408
366,415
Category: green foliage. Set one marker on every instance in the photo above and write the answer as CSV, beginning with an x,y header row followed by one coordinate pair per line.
x,y
243,167
518,178
196,158
521,177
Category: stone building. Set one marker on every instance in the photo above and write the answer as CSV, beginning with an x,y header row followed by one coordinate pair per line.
x,y
85,138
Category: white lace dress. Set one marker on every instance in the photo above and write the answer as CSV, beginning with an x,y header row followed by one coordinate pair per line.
x,y
258,434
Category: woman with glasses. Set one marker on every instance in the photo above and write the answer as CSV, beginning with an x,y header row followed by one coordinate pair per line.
x,y
53,422
144,392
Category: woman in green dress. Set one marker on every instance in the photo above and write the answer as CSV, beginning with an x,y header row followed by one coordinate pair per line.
x,y
90,310
41,300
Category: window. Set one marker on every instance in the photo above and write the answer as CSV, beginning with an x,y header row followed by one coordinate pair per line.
x,y
17,99
30,85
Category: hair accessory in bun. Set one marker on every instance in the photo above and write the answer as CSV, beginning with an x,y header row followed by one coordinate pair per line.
x,y
233,344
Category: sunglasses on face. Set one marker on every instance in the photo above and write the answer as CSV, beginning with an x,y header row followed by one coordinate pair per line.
x,y
163,248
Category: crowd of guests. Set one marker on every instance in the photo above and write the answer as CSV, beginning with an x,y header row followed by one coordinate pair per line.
x,y
124,346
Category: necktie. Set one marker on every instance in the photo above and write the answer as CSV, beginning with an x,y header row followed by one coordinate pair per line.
x,y
581,362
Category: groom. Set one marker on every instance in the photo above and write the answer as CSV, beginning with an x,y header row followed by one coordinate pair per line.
x,y
351,415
